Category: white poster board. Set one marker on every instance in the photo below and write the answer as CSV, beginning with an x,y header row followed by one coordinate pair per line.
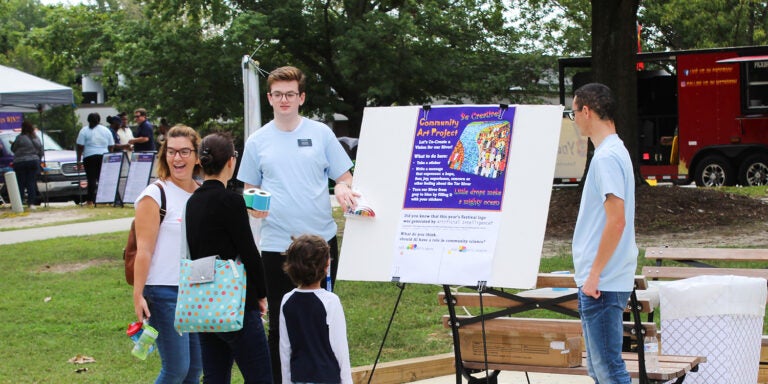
x,y
385,173
142,164
109,178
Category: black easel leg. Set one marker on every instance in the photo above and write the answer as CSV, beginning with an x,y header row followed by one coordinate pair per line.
x,y
389,325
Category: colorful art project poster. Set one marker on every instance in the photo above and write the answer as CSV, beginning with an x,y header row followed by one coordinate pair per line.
x,y
450,219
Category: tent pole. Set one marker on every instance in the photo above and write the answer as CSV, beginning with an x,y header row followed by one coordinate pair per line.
x,y
42,141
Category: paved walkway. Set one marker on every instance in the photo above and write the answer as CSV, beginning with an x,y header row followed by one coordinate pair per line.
x,y
78,229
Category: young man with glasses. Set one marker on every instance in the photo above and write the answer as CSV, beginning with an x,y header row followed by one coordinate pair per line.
x,y
145,136
292,158
604,248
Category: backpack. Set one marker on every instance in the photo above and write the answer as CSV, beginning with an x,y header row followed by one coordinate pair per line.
x,y
129,252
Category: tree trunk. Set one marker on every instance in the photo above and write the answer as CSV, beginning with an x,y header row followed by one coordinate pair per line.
x,y
614,57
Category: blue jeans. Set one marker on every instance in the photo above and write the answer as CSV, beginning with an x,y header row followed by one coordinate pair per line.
x,y
601,320
180,355
247,347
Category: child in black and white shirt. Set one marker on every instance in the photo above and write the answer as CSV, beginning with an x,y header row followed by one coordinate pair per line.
x,y
313,331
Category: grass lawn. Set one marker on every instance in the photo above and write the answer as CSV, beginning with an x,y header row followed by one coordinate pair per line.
x,y
64,297
67,296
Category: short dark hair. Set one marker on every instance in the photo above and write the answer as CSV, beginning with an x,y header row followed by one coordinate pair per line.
x,y
214,152
599,98
306,259
93,119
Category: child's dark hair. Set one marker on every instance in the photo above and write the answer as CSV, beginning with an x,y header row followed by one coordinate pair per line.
x,y
214,152
306,259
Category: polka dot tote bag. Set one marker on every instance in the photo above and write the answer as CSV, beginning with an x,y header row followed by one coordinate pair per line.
x,y
211,295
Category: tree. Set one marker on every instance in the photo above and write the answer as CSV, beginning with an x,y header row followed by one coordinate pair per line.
x,y
175,69
689,24
26,44
614,58
365,53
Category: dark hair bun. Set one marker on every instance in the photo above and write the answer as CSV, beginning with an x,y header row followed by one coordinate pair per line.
x,y
205,156
215,151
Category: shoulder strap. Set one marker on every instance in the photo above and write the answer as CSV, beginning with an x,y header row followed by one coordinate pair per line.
x,y
162,201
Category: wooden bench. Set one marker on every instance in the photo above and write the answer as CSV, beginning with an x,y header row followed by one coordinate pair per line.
x,y
556,292
701,262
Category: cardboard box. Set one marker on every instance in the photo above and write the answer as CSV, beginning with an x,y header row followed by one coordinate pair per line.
x,y
548,350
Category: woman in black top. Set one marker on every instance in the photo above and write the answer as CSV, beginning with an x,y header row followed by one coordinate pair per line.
x,y
217,224
27,151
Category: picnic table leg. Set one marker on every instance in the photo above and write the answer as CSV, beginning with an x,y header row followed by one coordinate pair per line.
x,y
640,334
492,377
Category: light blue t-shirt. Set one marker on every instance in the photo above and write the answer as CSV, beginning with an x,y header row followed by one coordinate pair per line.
x,y
294,167
96,141
610,172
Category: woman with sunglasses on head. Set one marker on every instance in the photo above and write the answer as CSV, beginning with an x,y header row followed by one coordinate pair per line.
x,y
217,224
158,255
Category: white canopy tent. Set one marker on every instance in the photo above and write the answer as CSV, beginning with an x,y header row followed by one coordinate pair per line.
x,y
22,92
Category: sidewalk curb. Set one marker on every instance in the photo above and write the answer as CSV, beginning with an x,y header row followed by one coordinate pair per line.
x,y
77,229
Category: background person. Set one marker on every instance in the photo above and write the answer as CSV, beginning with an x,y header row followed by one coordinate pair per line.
x,y
158,256
162,130
604,249
293,157
125,133
114,127
93,141
144,139
217,224
313,331
27,152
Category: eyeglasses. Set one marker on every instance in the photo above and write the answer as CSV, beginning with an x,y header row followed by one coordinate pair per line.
x,y
572,114
290,96
136,116
184,152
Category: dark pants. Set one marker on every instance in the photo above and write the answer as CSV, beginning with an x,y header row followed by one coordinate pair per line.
x,y
278,284
247,347
92,166
26,176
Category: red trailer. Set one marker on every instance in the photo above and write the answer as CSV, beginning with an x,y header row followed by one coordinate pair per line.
x,y
702,114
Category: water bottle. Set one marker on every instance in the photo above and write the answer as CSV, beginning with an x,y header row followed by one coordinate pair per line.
x,y
134,331
651,348
145,344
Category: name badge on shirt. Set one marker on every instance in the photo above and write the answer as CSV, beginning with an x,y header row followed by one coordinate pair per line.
x,y
305,142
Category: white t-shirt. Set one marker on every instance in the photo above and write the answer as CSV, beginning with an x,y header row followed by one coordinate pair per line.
x,y
164,267
125,135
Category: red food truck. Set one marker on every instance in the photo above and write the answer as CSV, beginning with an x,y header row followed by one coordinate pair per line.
x,y
702,114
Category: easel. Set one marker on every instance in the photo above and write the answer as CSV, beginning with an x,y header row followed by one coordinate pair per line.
x,y
527,305
389,326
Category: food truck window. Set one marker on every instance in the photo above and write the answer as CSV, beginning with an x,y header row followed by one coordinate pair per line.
x,y
757,85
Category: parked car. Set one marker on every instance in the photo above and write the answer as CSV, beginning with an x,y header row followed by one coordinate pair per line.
x,y
59,179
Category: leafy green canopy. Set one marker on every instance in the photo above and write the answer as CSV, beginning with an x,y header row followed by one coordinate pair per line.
x,y
362,54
